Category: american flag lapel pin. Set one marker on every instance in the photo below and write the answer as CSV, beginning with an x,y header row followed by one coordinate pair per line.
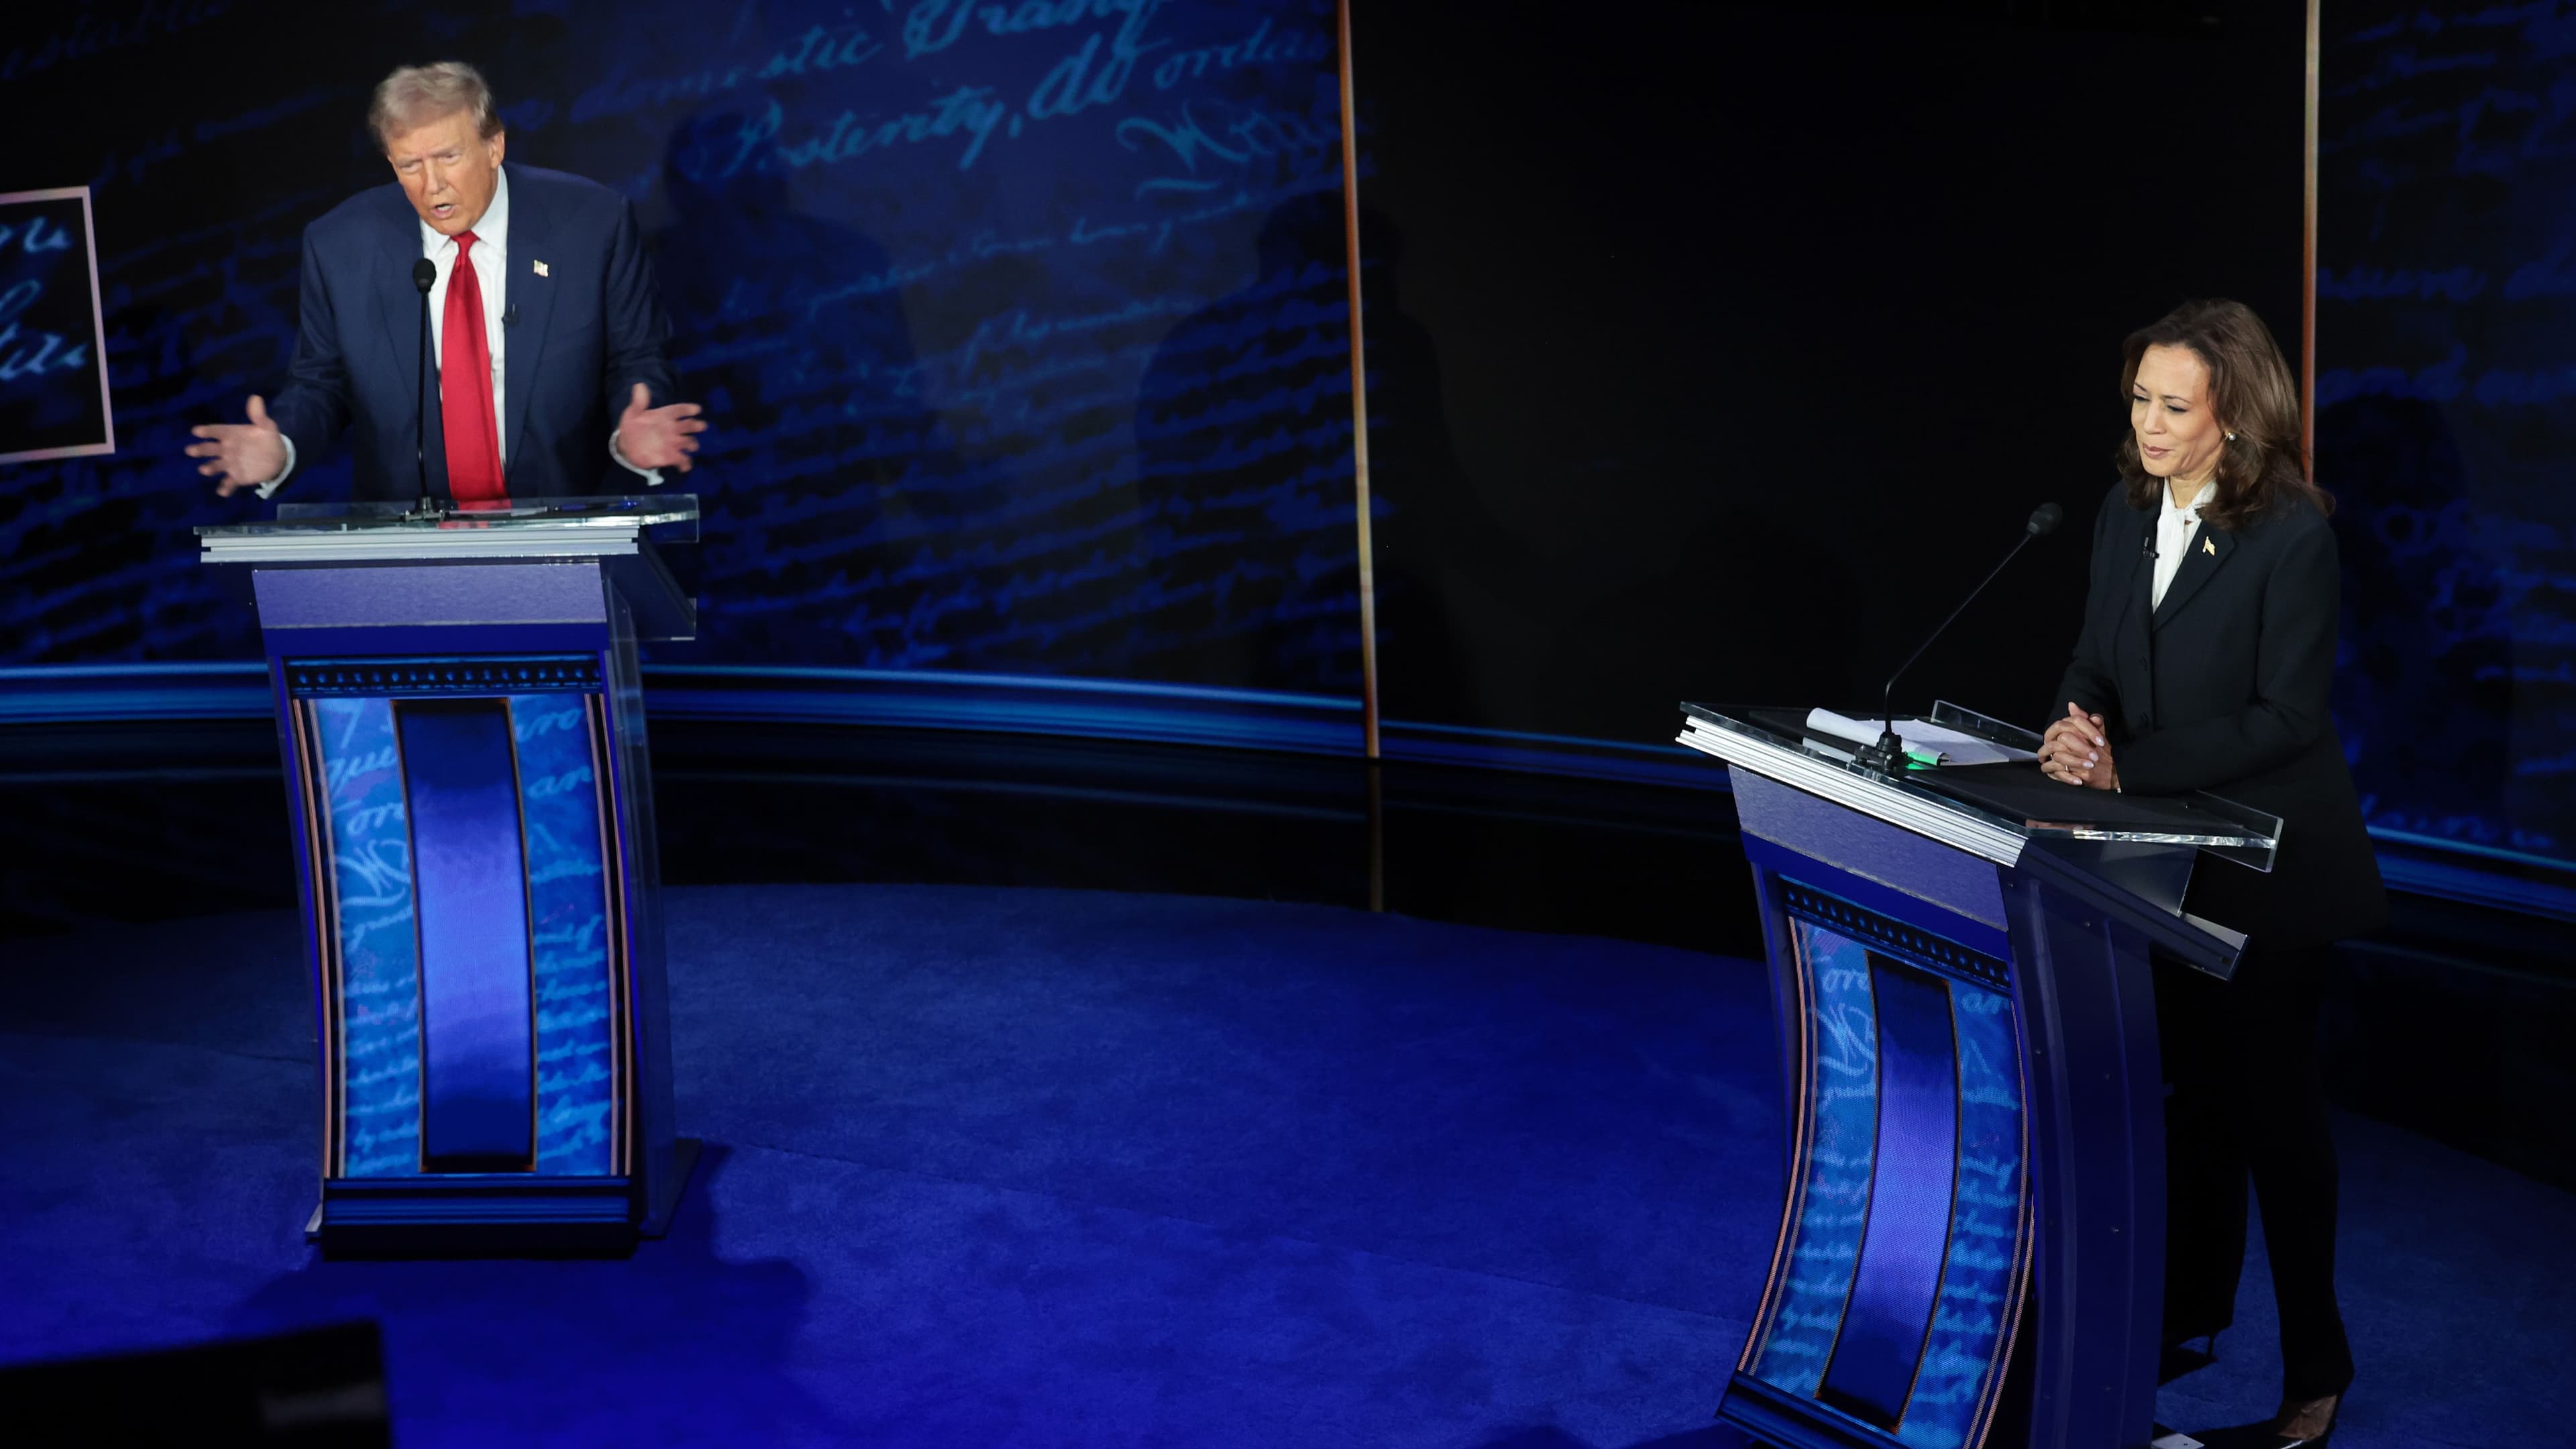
x,y
541,269
2207,545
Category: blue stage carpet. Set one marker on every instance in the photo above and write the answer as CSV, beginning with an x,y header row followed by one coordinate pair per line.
x,y
1025,1167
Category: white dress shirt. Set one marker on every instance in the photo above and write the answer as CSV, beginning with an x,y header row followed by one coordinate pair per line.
x,y
2175,529
491,258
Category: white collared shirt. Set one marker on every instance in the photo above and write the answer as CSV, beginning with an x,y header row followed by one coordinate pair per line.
x,y
2175,530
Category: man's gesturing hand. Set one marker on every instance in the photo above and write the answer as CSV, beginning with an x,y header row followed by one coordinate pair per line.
x,y
243,455
651,437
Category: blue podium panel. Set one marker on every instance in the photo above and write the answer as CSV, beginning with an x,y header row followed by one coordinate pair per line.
x,y
469,921
380,795
1888,1318
371,991
478,999
1904,1248
564,817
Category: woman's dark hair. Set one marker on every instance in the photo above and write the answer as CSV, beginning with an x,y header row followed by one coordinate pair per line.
x,y
2253,396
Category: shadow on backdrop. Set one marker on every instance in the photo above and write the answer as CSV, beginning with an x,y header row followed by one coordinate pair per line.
x,y
812,384
1442,558
1244,482
2426,693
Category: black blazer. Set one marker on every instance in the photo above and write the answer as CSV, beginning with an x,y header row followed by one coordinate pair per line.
x,y
2225,687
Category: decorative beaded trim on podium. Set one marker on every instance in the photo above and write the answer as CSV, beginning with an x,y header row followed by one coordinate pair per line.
x,y
1872,929
329,678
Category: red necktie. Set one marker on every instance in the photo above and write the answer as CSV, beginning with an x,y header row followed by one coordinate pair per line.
x,y
465,388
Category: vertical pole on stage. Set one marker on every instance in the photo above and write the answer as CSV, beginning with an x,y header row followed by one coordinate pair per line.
x,y
1359,390
2308,262
1360,465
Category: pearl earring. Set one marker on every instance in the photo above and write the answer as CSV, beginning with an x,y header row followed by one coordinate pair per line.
x,y
2231,437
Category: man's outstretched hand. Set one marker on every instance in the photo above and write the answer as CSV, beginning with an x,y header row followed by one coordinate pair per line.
x,y
243,455
651,437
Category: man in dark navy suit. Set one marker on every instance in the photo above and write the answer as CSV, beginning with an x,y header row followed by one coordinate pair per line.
x,y
545,336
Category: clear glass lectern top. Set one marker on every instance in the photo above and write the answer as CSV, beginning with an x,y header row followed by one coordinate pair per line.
x,y
618,534
666,518
2014,797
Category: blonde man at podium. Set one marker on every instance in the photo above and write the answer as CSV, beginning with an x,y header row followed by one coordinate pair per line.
x,y
544,339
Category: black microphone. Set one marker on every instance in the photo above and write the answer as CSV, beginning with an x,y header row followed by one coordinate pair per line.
x,y
510,314
1889,753
424,275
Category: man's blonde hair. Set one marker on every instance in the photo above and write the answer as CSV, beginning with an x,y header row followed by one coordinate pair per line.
x,y
415,95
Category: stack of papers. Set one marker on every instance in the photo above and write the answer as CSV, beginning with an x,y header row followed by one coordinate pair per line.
x,y
1924,740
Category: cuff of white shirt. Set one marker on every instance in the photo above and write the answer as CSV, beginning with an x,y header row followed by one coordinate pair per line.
x,y
652,476
269,488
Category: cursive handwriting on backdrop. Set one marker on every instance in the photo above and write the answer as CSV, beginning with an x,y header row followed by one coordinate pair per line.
x,y
2446,354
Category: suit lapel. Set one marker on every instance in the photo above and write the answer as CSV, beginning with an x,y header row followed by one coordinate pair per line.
x,y
2203,557
398,309
2141,579
397,301
527,306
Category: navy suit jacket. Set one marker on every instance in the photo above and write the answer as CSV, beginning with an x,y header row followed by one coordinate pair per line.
x,y
579,338
2226,686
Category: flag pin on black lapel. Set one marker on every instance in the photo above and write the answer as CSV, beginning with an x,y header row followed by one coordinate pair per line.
x,y
2207,545
541,269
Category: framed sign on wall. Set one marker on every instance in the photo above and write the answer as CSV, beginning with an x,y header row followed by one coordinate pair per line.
x,y
53,363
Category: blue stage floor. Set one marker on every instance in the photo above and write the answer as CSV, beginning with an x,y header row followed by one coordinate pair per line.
x,y
1035,1167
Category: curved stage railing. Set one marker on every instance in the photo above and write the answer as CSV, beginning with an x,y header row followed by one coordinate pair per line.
x,y
2484,875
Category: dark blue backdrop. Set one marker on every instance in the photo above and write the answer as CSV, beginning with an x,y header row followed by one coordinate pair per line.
x,y
2446,355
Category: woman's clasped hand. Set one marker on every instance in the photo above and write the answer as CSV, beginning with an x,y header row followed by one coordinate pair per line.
x,y
2076,751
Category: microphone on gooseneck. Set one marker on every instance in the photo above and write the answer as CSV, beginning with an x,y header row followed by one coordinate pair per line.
x,y
1889,753
424,275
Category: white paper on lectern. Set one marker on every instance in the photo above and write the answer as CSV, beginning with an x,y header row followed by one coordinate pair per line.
x,y
1920,736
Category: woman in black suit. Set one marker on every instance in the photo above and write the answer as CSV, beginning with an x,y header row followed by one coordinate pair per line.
x,y
2206,663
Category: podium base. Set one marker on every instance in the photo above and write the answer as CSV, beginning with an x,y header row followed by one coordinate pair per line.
x,y
495,1215
684,1165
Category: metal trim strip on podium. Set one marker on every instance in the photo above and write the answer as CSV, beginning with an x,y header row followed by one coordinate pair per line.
x,y
1930,818
619,545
